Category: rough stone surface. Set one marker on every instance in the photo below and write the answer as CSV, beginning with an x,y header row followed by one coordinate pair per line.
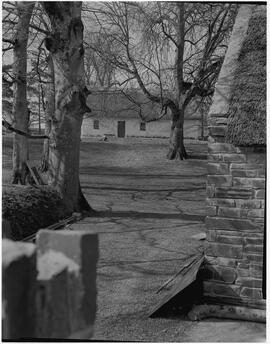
x,y
218,168
82,248
6,229
18,290
225,250
233,192
219,180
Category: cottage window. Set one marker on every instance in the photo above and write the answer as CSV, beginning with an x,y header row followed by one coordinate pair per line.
x,y
96,124
142,126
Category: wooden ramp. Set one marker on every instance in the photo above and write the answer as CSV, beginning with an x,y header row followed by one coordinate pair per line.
x,y
184,278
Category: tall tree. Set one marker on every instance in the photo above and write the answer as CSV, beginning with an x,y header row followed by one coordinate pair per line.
x,y
173,51
65,45
49,113
20,110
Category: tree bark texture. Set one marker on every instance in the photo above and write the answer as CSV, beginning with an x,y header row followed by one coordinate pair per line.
x,y
20,109
177,148
65,45
49,113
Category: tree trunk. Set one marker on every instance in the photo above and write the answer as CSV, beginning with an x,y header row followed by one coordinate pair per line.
x,y
20,109
177,148
65,45
49,113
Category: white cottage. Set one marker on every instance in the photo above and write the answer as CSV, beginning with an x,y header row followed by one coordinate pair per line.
x,y
116,114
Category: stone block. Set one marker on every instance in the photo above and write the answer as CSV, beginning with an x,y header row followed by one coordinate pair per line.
x,y
253,257
210,235
211,210
255,183
259,194
221,289
234,157
249,282
18,290
232,212
248,204
210,191
222,261
54,295
82,248
244,173
219,180
215,158
229,233
253,241
225,250
222,148
246,166
217,168
256,213
253,293
256,265
243,264
243,272
224,274
223,202
261,173
211,139
226,239
6,229
255,273
256,158
233,192
231,224
253,249
218,130
217,121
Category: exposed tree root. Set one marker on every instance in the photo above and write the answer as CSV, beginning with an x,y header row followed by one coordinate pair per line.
x,y
83,206
177,153
200,312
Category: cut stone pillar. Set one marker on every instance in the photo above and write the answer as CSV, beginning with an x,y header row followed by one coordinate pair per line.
x,y
18,290
56,288
81,247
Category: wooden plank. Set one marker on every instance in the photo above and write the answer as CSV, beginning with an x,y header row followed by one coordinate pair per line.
x,y
55,226
32,173
38,176
184,277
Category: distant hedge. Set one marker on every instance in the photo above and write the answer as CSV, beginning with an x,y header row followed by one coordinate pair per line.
x,y
29,208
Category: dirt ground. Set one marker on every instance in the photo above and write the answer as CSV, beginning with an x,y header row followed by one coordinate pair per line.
x,y
148,210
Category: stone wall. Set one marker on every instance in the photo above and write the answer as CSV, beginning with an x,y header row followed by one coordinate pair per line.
x,y
49,289
235,198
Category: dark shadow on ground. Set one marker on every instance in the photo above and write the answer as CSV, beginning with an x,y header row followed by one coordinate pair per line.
x,y
141,215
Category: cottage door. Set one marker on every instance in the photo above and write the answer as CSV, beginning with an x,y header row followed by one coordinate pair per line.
x,y
121,129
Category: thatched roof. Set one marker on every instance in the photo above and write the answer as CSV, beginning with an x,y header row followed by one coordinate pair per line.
x,y
115,104
247,119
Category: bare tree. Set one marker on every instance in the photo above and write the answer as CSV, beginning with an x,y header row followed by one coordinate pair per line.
x,y
20,110
65,45
173,51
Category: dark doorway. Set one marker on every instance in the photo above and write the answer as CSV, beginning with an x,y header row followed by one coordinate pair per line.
x,y
121,129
